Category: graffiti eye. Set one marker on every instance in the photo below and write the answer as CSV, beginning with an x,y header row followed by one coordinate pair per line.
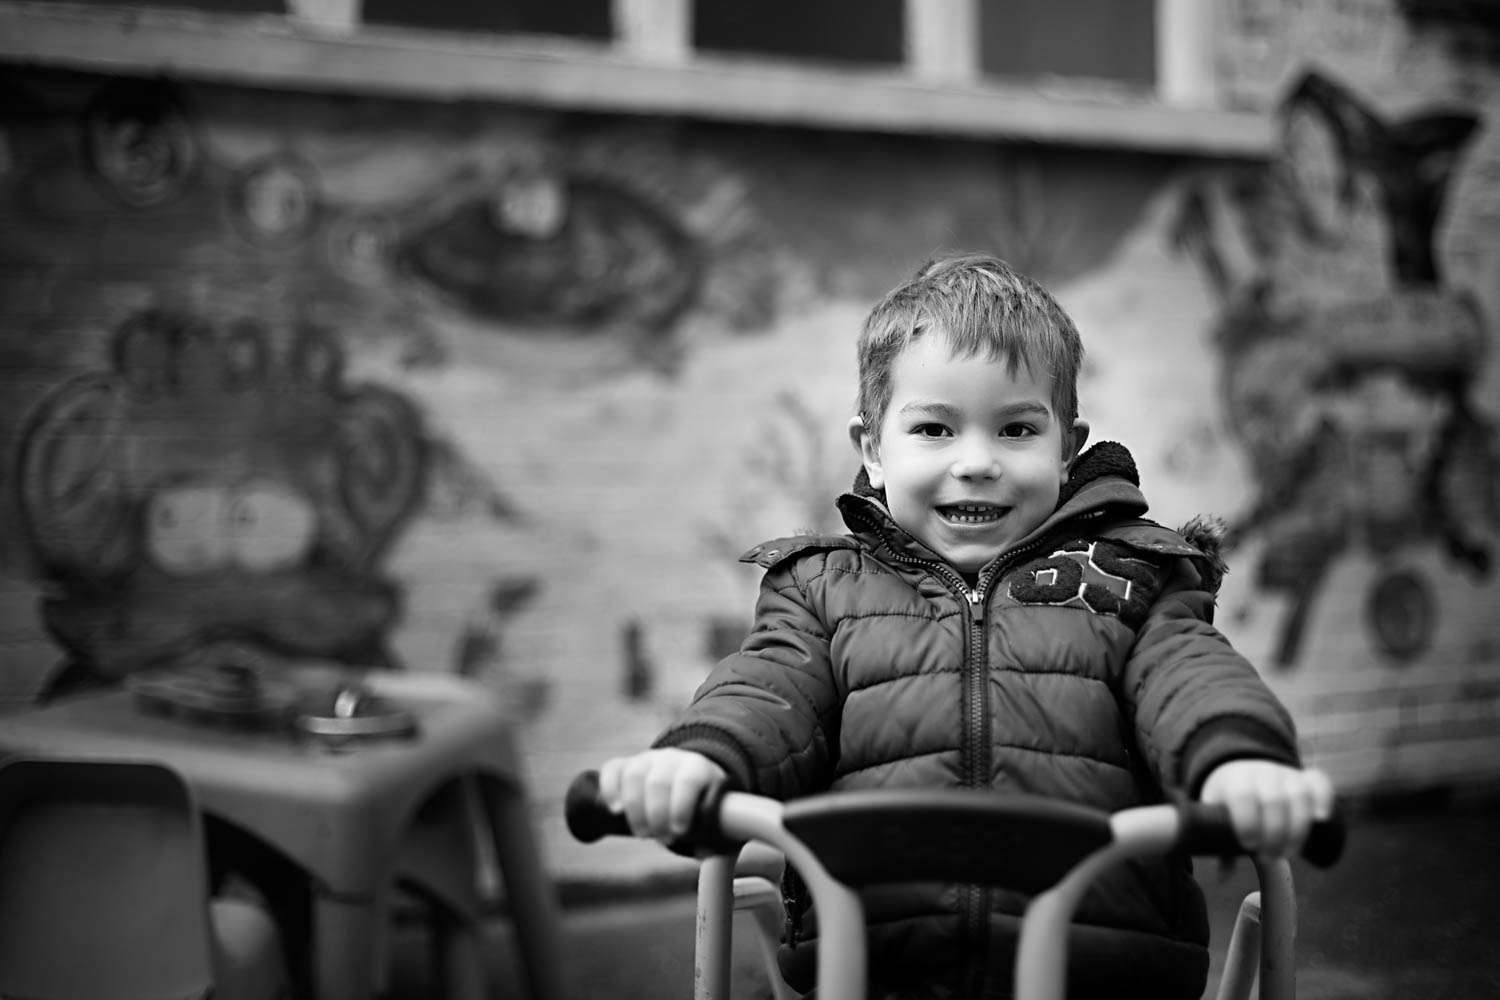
x,y
140,144
184,529
559,254
244,515
530,206
276,200
271,528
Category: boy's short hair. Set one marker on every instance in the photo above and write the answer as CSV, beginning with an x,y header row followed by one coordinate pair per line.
x,y
983,306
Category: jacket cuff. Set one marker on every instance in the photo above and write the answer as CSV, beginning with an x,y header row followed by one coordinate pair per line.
x,y
1222,740
717,746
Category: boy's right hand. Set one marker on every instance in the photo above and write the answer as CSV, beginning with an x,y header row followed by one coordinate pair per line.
x,y
658,790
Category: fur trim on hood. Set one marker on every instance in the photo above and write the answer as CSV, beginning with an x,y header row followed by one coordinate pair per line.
x,y
1207,534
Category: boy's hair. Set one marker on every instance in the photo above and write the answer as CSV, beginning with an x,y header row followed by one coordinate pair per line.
x,y
983,306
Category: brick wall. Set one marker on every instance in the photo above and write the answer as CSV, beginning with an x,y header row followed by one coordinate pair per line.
x,y
493,390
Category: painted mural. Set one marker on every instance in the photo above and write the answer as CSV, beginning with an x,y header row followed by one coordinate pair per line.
x,y
293,378
214,494
204,477
1349,366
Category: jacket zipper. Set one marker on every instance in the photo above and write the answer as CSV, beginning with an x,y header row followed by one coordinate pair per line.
x,y
975,742
977,758
977,762
975,750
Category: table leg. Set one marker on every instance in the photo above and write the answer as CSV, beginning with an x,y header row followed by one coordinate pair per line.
x,y
345,933
533,905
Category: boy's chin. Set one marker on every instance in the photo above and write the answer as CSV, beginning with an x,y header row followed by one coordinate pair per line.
x,y
970,559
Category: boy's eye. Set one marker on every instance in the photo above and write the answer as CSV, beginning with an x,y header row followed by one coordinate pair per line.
x,y
930,430
1017,430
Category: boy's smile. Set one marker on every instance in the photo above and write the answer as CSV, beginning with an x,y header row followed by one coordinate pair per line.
x,y
971,455
972,513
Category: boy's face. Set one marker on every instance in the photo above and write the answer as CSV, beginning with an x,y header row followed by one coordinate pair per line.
x,y
970,456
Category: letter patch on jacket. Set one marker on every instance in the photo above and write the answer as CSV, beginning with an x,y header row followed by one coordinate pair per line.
x,y
1097,576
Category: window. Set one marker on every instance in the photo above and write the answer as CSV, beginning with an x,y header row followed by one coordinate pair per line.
x,y
850,31
1097,39
590,19
212,6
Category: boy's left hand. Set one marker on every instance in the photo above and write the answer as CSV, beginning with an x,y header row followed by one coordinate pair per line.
x,y
1270,804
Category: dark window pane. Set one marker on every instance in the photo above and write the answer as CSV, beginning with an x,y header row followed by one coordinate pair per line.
x,y
577,18
213,6
1099,39
859,31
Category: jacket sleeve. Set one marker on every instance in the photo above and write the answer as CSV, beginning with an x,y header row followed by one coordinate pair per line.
x,y
768,714
1196,702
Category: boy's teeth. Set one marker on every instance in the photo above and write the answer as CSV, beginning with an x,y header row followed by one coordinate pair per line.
x,y
973,513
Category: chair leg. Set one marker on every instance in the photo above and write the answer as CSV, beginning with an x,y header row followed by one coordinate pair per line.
x,y
533,905
346,935
249,963
459,953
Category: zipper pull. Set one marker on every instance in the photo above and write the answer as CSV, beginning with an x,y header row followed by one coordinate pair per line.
x,y
976,604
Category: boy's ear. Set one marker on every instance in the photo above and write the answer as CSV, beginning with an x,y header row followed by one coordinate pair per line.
x,y
1073,441
868,452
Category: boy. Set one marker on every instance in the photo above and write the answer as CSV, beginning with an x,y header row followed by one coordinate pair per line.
x,y
1000,617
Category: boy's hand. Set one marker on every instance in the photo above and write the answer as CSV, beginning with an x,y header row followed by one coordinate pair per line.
x,y
1270,804
658,790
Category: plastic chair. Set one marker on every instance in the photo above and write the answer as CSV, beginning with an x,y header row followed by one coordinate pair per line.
x,y
104,891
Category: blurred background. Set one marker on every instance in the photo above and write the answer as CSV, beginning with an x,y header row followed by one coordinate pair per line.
x,y
481,336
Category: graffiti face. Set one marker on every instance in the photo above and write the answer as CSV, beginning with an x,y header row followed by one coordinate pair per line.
x,y
1349,368
217,487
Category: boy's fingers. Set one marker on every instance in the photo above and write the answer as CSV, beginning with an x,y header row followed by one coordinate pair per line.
x,y
1299,819
609,784
633,795
658,792
687,789
1244,813
1271,807
1313,801
1321,787
1275,816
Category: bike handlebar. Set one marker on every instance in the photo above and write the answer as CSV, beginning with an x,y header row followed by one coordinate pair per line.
x,y
1204,830
590,819
1207,831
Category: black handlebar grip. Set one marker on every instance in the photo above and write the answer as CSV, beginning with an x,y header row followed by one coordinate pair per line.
x,y
1207,831
589,819
1325,841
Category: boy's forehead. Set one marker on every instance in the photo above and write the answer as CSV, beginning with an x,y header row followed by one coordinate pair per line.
x,y
927,351
934,375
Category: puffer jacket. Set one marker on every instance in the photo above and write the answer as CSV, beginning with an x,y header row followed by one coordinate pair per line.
x,y
1081,664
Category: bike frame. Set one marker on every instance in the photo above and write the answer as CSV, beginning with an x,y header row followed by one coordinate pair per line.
x,y
1266,924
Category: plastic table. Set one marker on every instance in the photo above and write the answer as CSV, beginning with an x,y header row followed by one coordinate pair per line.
x,y
343,814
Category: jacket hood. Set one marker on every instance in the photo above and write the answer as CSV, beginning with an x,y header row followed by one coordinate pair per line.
x,y
1103,478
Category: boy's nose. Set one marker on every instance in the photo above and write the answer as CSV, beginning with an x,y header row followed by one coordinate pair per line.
x,y
976,460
